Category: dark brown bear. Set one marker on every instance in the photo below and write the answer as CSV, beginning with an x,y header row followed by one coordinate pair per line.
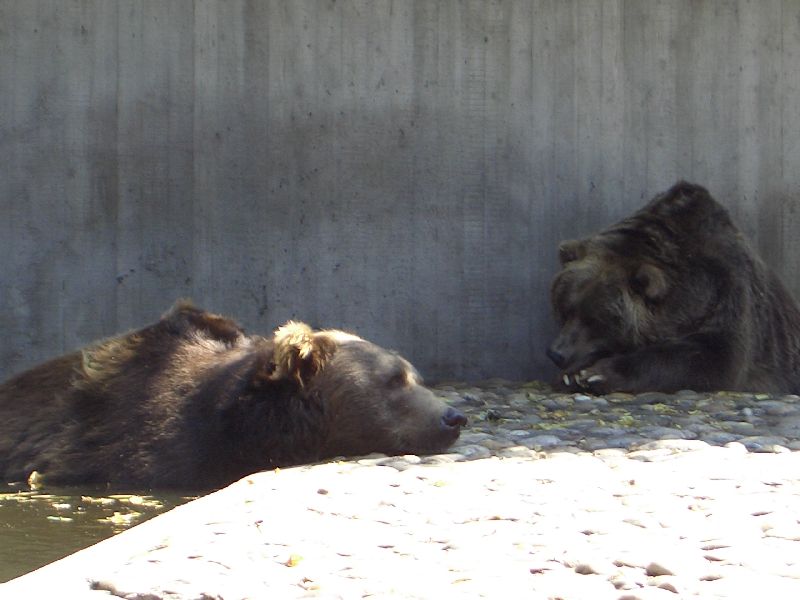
x,y
193,402
673,298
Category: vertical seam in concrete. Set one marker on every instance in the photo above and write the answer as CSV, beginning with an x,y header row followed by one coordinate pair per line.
x,y
192,255
117,159
474,194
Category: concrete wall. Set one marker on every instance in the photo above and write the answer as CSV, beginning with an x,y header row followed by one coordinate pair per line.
x,y
405,169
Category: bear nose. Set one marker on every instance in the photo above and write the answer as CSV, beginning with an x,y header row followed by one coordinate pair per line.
x,y
556,357
453,418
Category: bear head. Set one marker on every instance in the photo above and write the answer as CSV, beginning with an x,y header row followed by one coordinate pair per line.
x,y
373,400
604,303
654,276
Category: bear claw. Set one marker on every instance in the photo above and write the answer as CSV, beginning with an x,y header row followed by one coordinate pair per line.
x,y
582,379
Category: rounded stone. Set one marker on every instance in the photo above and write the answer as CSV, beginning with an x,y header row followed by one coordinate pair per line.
x,y
656,569
666,433
542,441
472,399
676,445
624,441
653,398
763,443
741,427
719,438
517,452
778,408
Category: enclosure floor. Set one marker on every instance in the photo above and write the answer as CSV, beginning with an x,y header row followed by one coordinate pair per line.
x,y
545,496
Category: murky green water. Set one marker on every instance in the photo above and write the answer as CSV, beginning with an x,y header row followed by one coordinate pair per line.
x,y
38,526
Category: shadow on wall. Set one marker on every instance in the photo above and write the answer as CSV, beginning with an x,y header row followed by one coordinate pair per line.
x,y
391,223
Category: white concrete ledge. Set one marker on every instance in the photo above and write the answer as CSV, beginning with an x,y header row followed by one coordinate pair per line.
x,y
565,524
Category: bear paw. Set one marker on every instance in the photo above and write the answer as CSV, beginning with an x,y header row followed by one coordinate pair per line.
x,y
598,379
583,380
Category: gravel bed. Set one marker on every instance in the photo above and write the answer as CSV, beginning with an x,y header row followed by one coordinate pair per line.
x,y
507,418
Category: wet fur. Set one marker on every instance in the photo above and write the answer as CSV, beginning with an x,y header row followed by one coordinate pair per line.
x,y
192,401
672,298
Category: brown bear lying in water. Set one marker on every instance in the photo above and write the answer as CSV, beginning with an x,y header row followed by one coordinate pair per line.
x,y
673,298
193,402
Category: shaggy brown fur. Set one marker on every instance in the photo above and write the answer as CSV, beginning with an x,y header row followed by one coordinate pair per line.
x,y
670,298
192,401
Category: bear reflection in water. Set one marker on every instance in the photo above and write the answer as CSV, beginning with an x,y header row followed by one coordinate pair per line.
x,y
673,298
193,402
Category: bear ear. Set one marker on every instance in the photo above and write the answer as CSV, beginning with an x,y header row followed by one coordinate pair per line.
x,y
687,199
184,317
650,281
299,353
571,250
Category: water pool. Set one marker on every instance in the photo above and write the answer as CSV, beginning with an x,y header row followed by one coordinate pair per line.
x,y
38,526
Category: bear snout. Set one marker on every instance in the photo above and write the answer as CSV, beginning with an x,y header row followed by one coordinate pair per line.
x,y
453,419
556,356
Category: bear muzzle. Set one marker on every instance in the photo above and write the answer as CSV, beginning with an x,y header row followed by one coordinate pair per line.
x,y
452,419
556,356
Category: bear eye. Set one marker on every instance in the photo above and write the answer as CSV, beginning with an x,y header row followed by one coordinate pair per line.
x,y
397,380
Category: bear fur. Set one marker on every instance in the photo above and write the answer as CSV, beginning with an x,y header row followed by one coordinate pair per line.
x,y
673,298
193,402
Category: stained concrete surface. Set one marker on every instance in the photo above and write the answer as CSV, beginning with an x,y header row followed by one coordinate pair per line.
x,y
402,168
